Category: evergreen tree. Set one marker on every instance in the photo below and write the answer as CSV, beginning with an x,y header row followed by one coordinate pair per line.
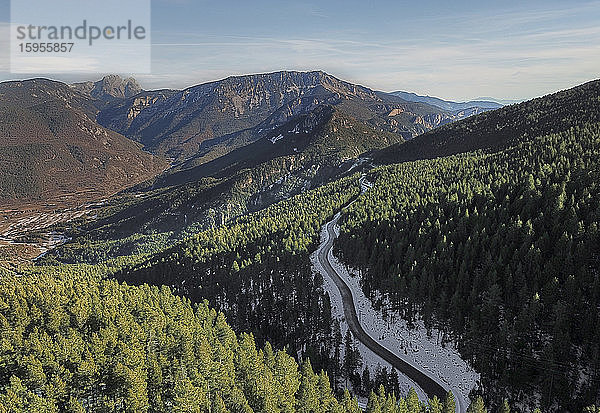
x,y
449,404
367,385
412,402
504,408
373,405
477,406
352,360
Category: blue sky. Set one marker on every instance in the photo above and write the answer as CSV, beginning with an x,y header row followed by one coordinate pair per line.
x,y
452,49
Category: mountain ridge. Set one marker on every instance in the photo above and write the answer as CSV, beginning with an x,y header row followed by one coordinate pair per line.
x,y
447,104
179,124
536,116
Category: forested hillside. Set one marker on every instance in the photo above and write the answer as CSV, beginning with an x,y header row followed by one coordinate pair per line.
x,y
302,154
501,251
257,271
75,344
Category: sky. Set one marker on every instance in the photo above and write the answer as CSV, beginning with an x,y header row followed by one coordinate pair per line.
x,y
456,50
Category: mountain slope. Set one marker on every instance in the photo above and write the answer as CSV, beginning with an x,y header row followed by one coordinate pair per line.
x,y
305,152
51,151
324,136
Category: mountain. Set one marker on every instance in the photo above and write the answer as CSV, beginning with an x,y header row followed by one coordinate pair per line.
x,y
304,153
109,87
496,129
503,102
325,136
213,118
264,142
268,137
120,113
53,152
482,105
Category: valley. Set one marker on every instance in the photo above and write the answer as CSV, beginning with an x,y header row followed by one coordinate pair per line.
x,y
38,230
457,244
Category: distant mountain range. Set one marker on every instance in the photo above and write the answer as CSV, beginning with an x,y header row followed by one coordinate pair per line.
x,y
494,130
483,105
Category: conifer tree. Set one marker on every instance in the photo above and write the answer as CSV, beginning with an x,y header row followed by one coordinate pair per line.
x,y
449,404
412,401
477,406
504,408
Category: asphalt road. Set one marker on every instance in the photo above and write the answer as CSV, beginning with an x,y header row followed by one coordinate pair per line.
x,y
429,385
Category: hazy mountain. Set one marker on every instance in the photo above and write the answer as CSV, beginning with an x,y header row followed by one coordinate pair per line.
x,y
52,150
503,102
483,105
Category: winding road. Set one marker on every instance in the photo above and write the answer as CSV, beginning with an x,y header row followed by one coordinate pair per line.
x,y
429,385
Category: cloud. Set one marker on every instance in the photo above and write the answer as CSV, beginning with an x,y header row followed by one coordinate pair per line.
x,y
492,66
4,47
502,52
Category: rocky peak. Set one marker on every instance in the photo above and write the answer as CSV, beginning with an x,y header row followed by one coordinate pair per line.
x,y
110,86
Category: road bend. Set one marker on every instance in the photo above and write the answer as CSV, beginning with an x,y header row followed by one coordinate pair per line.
x,y
429,385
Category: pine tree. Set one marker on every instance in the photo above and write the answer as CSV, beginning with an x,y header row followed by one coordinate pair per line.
x,y
349,405
412,401
505,408
188,398
218,405
352,359
74,406
394,381
366,381
449,404
373,405
435,406
477,406
307,398
402,407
